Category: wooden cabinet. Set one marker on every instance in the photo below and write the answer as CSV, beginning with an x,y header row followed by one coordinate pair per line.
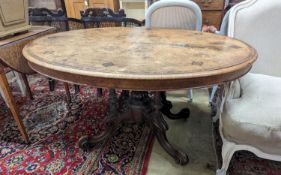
x,y
134,8
73,7
212,11
13,17
49,4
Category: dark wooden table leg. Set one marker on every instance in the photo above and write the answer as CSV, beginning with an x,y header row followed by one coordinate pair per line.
x,y
86,142
167,106
160,127
12,104
135,107
28,91
99,92
52,84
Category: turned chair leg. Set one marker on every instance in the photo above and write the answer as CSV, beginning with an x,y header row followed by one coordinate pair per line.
x,y
67,91
28,90
51,84
190,95
21,83
12,105
99,92
77,88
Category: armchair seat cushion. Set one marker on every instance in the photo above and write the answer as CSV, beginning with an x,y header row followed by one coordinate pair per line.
x,y
255,118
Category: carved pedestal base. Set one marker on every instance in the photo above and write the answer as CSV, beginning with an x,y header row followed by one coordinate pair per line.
x,y
136,107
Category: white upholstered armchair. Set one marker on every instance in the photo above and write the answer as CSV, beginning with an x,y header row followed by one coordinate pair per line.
x,y
176,14
250,117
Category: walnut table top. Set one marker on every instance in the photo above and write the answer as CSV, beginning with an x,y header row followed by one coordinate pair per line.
x,y
140,59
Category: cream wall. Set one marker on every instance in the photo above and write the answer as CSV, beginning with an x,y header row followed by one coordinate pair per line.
x,y
134,8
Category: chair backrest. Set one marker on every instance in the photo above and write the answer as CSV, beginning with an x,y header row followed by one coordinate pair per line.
x,y
180,14
101,17
44,16
257,22
104,17
57,19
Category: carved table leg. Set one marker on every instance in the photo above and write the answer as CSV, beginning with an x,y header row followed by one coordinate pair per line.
x,y
135,107
160,127
88,142
167,106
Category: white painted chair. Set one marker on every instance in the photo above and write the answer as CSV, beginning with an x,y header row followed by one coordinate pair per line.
x,y
176,14
222,31
250,117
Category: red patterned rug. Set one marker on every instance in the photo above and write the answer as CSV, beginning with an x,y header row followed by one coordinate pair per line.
x,y
54,129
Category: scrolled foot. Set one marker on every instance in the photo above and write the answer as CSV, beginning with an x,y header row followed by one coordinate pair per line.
x,y
84,143
181,158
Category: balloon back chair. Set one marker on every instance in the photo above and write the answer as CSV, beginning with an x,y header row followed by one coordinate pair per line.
x,y
250,111
174,14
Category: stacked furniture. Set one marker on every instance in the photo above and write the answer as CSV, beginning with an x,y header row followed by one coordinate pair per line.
x,y
73,7
212,11
57,19
105,17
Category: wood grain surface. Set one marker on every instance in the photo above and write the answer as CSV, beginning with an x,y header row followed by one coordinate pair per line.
x,y
140,59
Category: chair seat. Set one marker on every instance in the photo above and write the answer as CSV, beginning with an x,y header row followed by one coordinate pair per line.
x,y
255,118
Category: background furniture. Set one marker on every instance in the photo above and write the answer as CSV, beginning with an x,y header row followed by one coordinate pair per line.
x,y
212,11
104,17
13,21
165,48
57,19
176,14
73,7
134,8
250,119
49,4
231,3
11,56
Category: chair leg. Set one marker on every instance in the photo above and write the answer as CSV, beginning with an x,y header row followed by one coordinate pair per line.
x,y
3,96
212,95
51,84
227,153
77,88
28,91
12,105
99,92
190,95
21,83
67,91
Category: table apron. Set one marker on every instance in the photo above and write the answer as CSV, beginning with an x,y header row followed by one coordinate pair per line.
x,y
141,84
